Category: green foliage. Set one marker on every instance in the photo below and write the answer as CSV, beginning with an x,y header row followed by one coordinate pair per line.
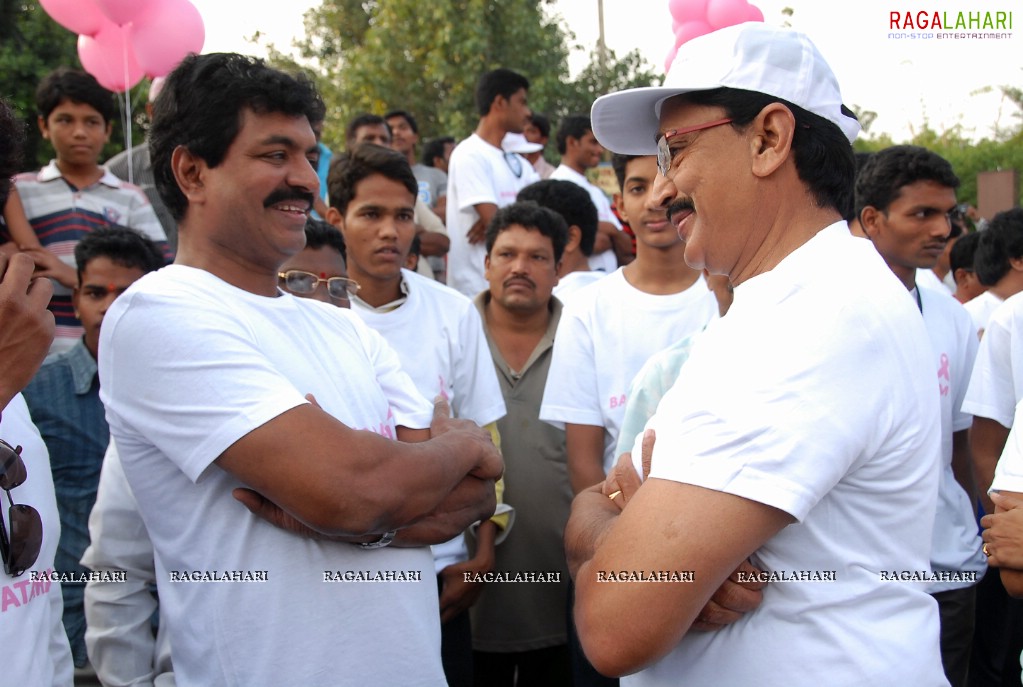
x,y
31,46
372,56
631,71
968,158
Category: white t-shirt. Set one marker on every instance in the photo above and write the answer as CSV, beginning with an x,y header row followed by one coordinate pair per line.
x,y
573,282
956,544
478,173
928,279
448,356
1009,473
35,646
605,261
997,383
607,331
815,396
981,309
229,362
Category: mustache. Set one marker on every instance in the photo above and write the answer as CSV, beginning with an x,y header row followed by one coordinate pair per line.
x,y
527,280
283,194
678,205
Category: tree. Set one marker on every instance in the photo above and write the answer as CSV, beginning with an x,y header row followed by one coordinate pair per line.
x,y
631,71
31,45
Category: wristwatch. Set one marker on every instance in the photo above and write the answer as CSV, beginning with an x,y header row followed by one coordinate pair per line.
x,y
385,539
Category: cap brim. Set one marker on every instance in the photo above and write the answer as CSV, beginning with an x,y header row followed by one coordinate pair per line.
x,y
527,147
627,122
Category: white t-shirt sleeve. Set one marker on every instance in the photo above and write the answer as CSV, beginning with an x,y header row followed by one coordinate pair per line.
x,y
1009,473
158,376
960,418
409,407
473,181
571,394
991,393
479,395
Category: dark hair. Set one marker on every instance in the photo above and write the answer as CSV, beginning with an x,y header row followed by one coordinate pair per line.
x,y
573,126
542,123
529,215
822,154
200,108
963,251
77,86
406,116
365,160
417,246
499,82
569,200
363,120
435,148
319,234
618,163
1001,241
122,246
12,138
879,182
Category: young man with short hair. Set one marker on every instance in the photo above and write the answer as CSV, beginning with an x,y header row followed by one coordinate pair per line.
x,y
65,405
74,195
482,177
579,152
319,270
437,152
904,198
960,262
538,131
999,265
598,350
439,340
433,183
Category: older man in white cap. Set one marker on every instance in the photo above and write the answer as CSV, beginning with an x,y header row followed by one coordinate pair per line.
x,y
802,433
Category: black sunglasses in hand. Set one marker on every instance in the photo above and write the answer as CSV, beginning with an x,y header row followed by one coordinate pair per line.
x,y
21,548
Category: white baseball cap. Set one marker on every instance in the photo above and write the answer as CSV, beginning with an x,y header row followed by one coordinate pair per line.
x,y
752,57
517,143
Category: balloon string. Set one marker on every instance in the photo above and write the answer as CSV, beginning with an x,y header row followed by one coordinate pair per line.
x,y
126,112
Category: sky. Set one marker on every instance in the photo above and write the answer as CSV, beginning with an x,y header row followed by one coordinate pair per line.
x,y
906,80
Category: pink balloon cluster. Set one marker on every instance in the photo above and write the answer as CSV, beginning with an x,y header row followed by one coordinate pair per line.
x,y
120,41
692,18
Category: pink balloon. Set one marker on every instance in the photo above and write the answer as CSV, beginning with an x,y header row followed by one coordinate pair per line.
x,y
675,25
753,13
77,16
691,30
669,59
108,56
170,30
688,10
722,13
122,12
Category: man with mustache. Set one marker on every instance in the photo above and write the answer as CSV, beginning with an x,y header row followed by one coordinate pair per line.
x,y
223,414
521,628
905,197
803,430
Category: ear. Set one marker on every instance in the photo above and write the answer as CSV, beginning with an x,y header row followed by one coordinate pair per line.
x,y
959,276
1016,264
620,206
335,217
189,172
771,139
575,237
871,220
43,129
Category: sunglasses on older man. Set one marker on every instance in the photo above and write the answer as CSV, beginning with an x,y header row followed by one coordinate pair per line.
x,y
21,533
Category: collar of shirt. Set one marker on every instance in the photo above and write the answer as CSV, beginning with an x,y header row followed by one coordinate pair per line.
x,y
51,172
386,307
83,367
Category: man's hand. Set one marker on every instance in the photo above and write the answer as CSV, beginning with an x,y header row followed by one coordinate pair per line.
x,y
262,507
468,436
49,265
733,598
26,326
477,232
1003,532
457,594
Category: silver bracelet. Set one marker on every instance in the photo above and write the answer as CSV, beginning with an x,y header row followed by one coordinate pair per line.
x,y
385,539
